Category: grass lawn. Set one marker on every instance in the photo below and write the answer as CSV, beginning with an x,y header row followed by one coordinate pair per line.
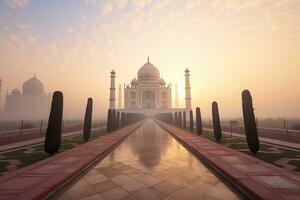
x,y
32,154
267,152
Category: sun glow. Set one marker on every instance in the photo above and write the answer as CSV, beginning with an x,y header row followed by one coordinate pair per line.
x,y
181,92
228,46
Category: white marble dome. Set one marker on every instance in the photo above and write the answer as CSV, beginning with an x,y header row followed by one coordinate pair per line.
x,y
33,86
148,72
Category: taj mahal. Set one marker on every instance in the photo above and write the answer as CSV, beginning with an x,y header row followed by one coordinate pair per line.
x,y
149,93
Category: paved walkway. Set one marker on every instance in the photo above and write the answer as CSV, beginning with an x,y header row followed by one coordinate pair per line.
x,y
149,164
266,140
37,141
254,177
42,178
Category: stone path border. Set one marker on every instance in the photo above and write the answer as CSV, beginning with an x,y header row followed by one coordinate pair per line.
x,y
44,178
253,177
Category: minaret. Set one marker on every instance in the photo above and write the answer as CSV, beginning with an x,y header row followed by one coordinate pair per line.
x,y
188,98
112,97
0,86
0,91
120,97
176,96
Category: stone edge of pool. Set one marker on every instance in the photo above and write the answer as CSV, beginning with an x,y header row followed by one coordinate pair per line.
x,y
252,177
44,178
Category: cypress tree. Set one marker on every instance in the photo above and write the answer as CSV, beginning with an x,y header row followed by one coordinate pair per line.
x,y
216,122
249,122
114,119
171,118
180,120
118,119
53,134
88,120
184,119
176,119
191,121
122,120
129,117
199,121
126,119
109,121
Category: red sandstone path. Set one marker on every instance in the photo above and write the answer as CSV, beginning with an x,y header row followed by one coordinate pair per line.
x,y
253,177
45,177
257,179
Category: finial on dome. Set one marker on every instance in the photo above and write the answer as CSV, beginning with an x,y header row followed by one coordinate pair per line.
x,y
148,59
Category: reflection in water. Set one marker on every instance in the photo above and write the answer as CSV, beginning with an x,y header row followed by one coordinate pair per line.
x,y
149,164
148,144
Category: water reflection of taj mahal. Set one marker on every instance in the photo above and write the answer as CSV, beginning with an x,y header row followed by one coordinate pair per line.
x,y
149,93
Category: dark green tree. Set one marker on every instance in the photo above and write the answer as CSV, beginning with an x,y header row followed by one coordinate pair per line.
x,y
171,119
184,119
118,120
126,119
176,119
180,120
249,122
122,120
191,121
88,120
199,121
109,121
216,122
114,120
53,134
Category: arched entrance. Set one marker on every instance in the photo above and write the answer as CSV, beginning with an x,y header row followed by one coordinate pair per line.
x,y
148,100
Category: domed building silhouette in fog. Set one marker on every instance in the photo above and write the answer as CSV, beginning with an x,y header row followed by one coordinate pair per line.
x,y
31,103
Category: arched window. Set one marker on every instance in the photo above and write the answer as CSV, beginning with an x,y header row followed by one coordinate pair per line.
x,y
132,104
133,95
164,104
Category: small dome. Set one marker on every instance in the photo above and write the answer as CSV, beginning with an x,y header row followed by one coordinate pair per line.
x,y
134,82
148,71
33,86
162,82
15,92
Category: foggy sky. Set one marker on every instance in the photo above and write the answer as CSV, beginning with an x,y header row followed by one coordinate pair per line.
x,y
227,45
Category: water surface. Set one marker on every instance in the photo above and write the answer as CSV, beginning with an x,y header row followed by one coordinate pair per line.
x,y
149,164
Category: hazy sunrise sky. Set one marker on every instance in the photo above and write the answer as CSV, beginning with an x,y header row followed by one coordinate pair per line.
x,y
228,45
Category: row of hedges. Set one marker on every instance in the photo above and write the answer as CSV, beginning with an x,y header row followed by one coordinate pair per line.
x,y
115,120
53,135
179,120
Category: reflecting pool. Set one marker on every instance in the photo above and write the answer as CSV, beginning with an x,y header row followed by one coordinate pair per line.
x,y
149,164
